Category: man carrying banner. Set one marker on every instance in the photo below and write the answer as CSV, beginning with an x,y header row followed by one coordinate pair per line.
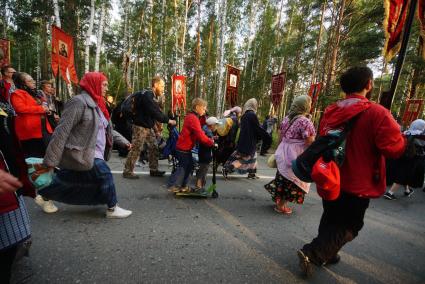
x,y
147,112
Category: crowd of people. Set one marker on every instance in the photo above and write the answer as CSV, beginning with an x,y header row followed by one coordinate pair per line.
x,y
75,143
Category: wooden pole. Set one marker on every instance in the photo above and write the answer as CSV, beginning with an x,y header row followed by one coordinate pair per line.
x,y
402,54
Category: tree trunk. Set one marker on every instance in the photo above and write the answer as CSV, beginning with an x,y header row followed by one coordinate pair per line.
x,y
99,37
319,37
184,36
220,92
198,49
44,50
335,48
56,10
4,17
88,36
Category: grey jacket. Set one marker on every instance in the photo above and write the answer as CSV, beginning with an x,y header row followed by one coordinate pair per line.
x,y
73,143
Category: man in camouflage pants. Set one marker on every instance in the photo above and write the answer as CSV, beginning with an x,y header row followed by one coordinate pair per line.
x,y
147,113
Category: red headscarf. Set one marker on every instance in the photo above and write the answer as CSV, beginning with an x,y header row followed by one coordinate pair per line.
x,y
92,84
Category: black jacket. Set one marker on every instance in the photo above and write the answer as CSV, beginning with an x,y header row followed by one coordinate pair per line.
x,y
250,132
148,111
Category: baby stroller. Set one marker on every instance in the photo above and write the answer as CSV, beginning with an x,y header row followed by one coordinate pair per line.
x,y
227,139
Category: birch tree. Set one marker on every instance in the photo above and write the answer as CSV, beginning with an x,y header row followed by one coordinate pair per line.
x,y
99,36
88,37
222,28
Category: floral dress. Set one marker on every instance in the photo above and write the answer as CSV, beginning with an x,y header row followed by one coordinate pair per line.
x,y
286,186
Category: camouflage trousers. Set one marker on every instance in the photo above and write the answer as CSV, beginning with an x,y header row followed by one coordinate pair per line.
x,y
141,136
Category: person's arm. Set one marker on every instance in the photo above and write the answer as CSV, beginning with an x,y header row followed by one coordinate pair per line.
x,y
260,132
8,183
120,140
388,138
71,116
21,104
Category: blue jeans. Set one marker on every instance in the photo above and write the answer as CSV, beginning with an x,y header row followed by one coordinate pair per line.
x,y
184,169
92,187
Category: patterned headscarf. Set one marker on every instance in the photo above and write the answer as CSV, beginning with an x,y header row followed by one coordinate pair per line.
x,y
92,84
250,104
300,105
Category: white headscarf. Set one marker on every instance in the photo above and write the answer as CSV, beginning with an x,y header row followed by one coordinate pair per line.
x,y
416,128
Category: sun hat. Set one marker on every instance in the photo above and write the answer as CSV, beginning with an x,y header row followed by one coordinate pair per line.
x,y
212,120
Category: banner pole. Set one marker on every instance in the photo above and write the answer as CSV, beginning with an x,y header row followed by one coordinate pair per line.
x,y
402,53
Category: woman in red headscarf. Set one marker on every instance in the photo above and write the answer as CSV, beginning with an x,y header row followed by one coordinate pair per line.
x,y
79,146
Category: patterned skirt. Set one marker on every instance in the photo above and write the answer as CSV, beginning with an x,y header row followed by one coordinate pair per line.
x,y
241,163
283,189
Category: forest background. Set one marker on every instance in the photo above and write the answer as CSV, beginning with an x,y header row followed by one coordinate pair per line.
x,y
130,41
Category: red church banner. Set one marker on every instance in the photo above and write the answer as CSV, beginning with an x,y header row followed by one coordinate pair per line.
x,y
63,55
395,18
314,94
421,16
413,108
278,86
233,76
178,92
4,52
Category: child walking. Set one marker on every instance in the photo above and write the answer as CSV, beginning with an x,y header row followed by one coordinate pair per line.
x,y
190,134
205,156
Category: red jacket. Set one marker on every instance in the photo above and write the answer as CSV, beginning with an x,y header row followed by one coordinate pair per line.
x,y
191,133
29,114
374,136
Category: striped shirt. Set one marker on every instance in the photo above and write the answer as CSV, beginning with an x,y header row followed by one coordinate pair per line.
x,y
14,226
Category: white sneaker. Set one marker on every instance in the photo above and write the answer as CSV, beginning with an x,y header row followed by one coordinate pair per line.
x,y
47,206
118,213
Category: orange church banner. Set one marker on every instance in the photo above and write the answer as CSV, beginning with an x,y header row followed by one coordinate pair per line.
x,y
395,17
178,93
63,55
4,52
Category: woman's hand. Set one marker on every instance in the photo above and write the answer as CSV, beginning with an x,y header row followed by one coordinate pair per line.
x,y
8,183
309,140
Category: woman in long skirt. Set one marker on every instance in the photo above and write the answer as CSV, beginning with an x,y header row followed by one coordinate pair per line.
x,y
244,159
296,133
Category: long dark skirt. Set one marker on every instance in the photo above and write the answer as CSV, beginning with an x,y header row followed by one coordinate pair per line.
x,y
406,171
283,189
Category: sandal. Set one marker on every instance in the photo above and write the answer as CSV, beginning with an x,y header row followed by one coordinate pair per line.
x,y
284,210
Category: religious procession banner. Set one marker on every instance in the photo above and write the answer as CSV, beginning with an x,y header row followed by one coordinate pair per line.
x,y
414,108
63,55
278,86
178,92
232,85
421,16
314,94
4,52
395,17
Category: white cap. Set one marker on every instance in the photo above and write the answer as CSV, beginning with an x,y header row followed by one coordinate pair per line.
x,y
212,120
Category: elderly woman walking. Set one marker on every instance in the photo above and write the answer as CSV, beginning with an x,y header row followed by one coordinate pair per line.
x,y
408,171
244,158
296,133
80,145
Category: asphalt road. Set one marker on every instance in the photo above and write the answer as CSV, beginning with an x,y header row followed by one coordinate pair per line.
x,y
237,238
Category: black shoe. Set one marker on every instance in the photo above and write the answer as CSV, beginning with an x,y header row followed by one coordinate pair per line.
x,y
389,196
334,260
305,264
157,173
252,176
409,192
130,176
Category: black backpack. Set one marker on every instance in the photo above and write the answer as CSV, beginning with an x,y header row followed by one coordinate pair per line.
x,y
128,106
330,147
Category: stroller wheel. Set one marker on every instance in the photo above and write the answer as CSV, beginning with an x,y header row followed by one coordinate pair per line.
x,y
214,194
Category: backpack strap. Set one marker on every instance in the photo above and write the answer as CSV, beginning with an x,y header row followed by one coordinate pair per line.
x,y
290,123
